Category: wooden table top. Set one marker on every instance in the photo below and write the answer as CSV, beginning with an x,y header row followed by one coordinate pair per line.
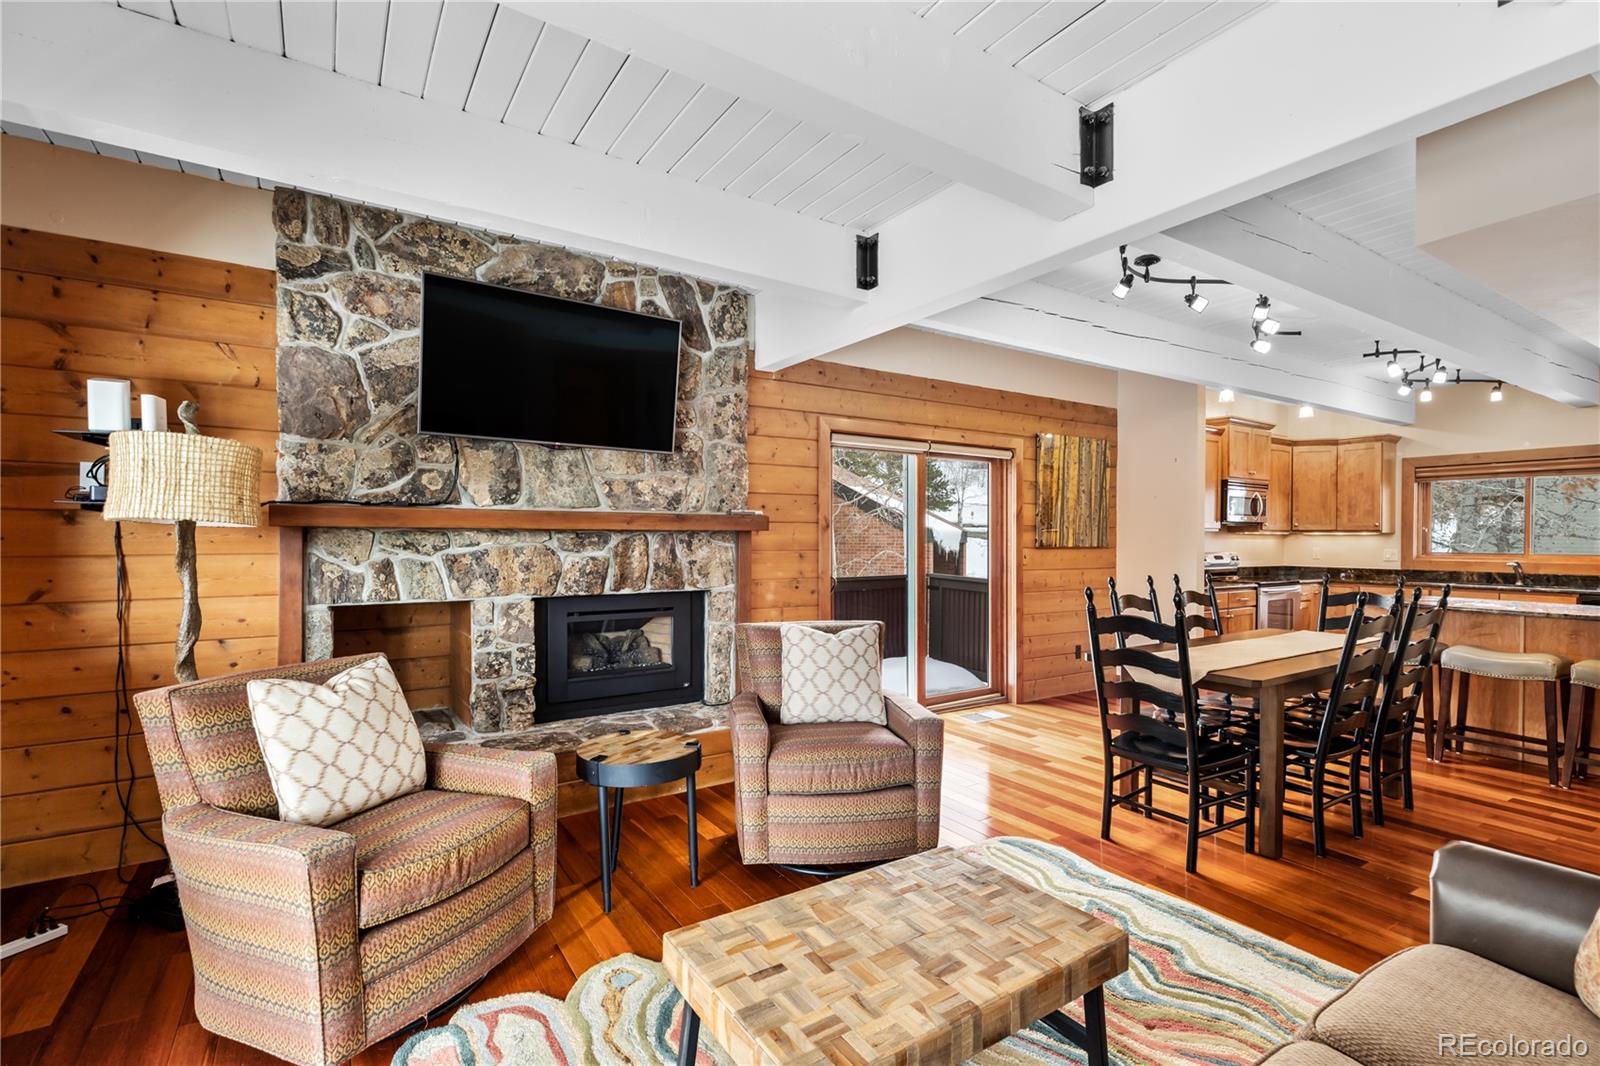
x,y
1273,672
928,959
636,747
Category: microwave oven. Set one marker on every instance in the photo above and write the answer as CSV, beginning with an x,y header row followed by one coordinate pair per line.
x,y
1244,503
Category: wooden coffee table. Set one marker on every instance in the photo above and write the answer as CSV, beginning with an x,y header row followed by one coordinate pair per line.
x,y
635,758
927,959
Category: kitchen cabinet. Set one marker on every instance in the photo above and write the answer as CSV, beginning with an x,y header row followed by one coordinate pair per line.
x,y
1246,452
1310,596
1213,511
1238,609
1280,495
1365,486
1316,469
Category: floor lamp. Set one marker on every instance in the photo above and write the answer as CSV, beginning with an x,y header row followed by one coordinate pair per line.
x,y
188,480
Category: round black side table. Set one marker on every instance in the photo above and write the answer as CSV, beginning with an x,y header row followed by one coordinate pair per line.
x,y
634,758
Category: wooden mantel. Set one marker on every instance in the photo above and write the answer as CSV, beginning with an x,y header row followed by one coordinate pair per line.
x,y
378,516
297,518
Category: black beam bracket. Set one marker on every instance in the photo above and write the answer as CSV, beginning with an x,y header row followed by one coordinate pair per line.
x,y
866,261
1094,146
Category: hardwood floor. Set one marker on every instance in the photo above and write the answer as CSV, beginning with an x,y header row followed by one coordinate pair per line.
x,y
114,991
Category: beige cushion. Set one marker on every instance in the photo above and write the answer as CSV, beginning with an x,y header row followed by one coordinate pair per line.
x,y
1586,673
831,677
1304,1053
1398,1012
1511,665
1586,967
337,749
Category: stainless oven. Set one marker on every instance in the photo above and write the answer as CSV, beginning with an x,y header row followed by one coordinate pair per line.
x,y
1244,503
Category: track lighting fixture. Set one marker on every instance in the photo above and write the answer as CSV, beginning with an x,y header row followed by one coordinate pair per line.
x,y
1426,374
1497,393
1225,396
1196,302
1405,388
1261,346
1269,326
1439,376
1124,286
1393,367
1307,411
1426,395
1262,309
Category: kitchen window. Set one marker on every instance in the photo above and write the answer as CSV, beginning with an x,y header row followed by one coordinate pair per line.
x,y
1540,508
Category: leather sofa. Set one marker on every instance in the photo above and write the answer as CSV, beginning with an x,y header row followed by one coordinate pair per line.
x,y
1495,980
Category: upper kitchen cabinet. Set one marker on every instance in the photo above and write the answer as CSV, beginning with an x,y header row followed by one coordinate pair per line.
x,y
1366,485
1344,486
1213,478
1280,475
1315,505
1246,448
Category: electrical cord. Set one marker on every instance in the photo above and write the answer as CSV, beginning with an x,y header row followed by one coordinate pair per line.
x,y
122,738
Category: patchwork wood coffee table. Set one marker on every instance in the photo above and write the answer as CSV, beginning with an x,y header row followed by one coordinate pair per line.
x,y
927,960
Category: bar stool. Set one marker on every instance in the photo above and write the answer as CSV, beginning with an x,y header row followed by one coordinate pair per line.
x,y
1585,678
1468,662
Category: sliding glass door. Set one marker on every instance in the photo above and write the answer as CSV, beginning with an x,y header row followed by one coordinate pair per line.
x,y
901,509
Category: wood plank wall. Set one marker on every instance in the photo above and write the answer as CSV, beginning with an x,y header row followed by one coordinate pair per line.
x,y
784,412
183,328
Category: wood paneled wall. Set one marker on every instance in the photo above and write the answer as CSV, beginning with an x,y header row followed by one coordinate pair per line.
x,y
180,327
785,409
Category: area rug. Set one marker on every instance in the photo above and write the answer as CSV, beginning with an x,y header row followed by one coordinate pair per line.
x,y
1199,988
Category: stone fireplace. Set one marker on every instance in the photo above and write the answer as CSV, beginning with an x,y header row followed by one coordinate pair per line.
x,y
348,348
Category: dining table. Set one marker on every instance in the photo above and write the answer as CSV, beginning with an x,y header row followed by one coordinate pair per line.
x,y
1270,684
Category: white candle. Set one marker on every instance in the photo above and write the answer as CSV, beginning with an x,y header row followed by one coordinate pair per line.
x,y
152,412
110,405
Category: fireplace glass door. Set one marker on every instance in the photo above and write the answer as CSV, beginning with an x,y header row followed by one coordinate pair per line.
x,y
610,653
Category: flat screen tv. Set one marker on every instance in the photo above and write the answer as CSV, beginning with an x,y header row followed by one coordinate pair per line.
x,y
512,365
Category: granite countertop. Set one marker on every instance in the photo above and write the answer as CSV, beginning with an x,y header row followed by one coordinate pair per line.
x,y
1250,576
1585,612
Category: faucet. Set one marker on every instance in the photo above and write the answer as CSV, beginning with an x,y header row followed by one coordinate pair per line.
x,y
1516,567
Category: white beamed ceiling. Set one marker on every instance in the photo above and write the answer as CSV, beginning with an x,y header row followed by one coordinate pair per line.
x,y
492,61
1085,49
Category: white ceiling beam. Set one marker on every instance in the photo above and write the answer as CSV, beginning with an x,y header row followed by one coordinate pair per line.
x,y
1037,318
872,72
1265,246
99,72
1254,109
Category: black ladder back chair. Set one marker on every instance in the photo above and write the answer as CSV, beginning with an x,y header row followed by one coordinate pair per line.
x,y
1208,624
1376,603
1409,675
1322,760
1154,729
1149,605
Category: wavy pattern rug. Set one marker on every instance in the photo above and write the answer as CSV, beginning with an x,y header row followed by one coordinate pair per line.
x,y
1199,988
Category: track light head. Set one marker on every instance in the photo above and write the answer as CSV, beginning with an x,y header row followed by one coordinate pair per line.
x,y
1124,287
1196,302
1261,346
1226,396
1260,312
1269,326
1404,389
1394,368
1307,411
1426,395
1496,394
1439,376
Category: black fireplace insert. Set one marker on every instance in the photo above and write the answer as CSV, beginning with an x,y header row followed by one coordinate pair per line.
x,y
598,654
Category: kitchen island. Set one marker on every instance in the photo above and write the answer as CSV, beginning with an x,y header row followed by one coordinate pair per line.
x,y
1508,624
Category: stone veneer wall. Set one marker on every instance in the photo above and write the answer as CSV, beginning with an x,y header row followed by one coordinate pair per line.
x,y
349,306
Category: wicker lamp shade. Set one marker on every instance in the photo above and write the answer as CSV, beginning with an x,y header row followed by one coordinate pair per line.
x,y
183,477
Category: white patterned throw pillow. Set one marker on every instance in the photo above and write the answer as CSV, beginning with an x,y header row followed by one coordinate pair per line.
x,y
337,749
831,677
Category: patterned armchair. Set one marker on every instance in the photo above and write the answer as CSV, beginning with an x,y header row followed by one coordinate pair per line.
x,y
825,793
312,943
